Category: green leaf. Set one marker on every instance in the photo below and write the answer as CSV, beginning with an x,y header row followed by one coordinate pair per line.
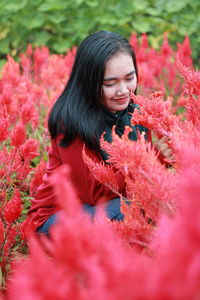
x,y
154,11
35,21
190,29
57,18
16,5
52,5
2,63
4,46
194,4
3,4
139,6
140,26
41,38
175,6
91,3
62,46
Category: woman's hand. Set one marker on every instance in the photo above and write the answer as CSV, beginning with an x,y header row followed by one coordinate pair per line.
x,y
162,145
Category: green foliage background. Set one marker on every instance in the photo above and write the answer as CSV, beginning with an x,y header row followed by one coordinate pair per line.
x,y
60,24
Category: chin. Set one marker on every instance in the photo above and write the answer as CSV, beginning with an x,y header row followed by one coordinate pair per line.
x,y
121,107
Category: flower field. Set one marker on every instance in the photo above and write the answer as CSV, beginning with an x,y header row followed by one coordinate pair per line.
x,y
155,252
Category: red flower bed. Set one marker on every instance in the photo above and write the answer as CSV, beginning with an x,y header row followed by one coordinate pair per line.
x,y
151,255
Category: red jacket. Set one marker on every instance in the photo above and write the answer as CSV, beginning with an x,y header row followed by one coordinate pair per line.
x,y
88,189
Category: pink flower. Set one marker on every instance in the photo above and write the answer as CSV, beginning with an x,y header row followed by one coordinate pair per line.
x,y
166,49
4,125
153,114
18,135
185,52
1,232
104,174
13,208
29,113
144,41
192,78
37,178
27,228
29,149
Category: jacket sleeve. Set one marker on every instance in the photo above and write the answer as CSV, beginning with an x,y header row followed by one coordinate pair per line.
x,y
44,204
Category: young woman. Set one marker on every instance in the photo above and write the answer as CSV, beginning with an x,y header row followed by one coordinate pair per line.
x,y
96,97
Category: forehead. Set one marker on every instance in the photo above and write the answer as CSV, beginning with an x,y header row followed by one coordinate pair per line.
x,y
118,65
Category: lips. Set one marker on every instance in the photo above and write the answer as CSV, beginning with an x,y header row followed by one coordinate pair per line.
x,y
121,99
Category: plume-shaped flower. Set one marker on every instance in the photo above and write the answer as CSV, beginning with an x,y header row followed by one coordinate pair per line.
x,y
78,263
153,114
104,174
13,208
166,49
29,113
18,135
1,232
27,228
147,180
29,149
177,241
191,77
4,124
185,52
37,178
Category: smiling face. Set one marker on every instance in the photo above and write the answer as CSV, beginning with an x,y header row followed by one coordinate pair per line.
x,y
119,81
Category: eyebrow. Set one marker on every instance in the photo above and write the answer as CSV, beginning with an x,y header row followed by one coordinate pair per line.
x,y
114,78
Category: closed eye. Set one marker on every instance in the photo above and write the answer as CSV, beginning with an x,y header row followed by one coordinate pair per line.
x,y
130,78
109,84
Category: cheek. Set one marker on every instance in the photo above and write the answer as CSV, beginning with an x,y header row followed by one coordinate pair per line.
x,y
132,86
108,93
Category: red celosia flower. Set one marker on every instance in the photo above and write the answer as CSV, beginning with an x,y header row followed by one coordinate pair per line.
x,y
153,114
144,41
13,208
7,249
26,64
6,95
18,135
29,149
192,78
134,42
77,254
138,163
166,49
89,266
11,71
37,178
1,232
28,113
177,241
41,56
4,125
185,52
27,228
104,174
193,111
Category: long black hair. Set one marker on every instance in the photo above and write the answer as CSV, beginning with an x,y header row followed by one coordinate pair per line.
x,y
79,111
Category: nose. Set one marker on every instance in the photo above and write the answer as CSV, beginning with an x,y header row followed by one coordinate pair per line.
x,y
122,89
